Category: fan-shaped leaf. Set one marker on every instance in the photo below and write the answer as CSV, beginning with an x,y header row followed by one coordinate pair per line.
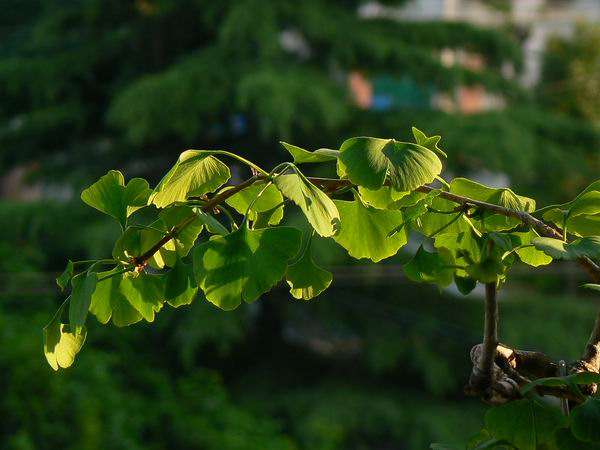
x,y
302,156
364,230
367,161
194,174
318,208
306,279
269,201
526,424
244,264
84,286
60,344
111,196
584,420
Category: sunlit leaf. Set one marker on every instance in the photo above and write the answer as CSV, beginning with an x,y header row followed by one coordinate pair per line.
x,y
109,302
194,174
381,198
498,196
428,142
368,161
318,208
306,279
84,286
304,156
244,264
270,199
364,230
529,254
60,344
144,292
111,196
587,246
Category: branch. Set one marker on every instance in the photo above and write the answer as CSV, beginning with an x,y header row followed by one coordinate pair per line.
x,y
208,206
541,227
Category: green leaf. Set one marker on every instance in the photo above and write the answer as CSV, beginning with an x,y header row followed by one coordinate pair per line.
x,y
364,230
63,279
194,174
180,285
318,208
381,198
585,419
306,279
465,247
144,292
211,223
566,441
109,301
60,344
84,286
367,162
525,423
434,222
137,240
464,284
304,156
586,246
529,254
428,142
430,267
565,381
592,286
581,217
487,270
270,200
502,197
111,196
244,264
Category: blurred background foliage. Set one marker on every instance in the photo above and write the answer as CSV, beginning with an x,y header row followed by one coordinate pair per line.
x,y
375,362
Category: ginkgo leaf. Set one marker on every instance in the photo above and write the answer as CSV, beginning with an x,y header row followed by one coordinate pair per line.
x,y
137,240
442,219
60,344
502,197
526,424
63,279
270,199
180,285
111,196
84,286
244,264
428,142
528,253
108,301
144,292
381,198
365,230
430,267
587,246
368,161
318,208
195,173
302,156
581,217
306,279
584,421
